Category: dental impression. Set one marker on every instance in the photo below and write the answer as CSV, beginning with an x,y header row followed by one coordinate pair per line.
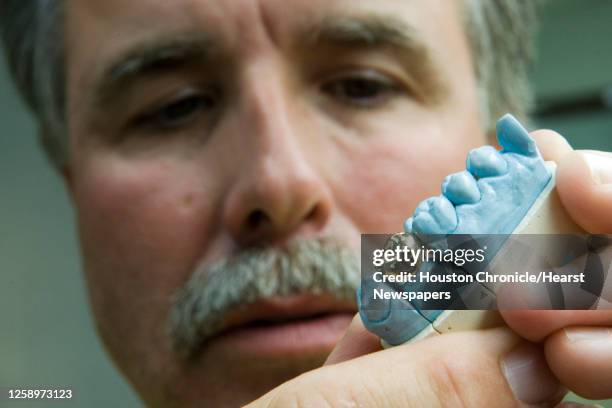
x,y
501,192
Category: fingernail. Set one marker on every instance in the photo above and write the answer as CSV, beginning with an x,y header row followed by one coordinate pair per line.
x,y
590,334
529,377
601,167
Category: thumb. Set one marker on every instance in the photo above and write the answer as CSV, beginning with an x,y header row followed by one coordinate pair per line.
x,y
480,368
584,183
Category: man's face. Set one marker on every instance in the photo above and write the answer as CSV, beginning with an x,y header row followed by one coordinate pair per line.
x,y
200,130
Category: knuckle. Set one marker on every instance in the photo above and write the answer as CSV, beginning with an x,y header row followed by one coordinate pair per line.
x,y
310,391
469,378
445,382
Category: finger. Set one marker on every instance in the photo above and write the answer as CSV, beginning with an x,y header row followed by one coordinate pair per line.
x,y
584,183
552,145
493,368
356,342
581,358
572,404
536,325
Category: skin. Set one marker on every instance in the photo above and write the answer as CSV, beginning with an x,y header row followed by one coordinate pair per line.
x,y
156,198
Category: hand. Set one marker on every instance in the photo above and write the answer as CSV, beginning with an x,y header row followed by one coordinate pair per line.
x,y
487,367
466,369
577,344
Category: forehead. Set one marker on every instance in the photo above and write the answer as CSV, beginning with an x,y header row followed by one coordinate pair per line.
x,y
98,30
224,17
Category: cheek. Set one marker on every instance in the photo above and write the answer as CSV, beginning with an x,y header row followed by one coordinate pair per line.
x,y
392,174
142,226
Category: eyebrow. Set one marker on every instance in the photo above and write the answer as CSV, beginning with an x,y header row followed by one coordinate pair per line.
x,y
380,31
153,55
364,30
371,30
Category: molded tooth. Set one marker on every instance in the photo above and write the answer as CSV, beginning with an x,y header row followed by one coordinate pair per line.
x,y
486,162
423,205
439,218
514,138
461,188
408,225
371,310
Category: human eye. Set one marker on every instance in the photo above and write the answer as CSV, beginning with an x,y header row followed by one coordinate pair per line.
x,y
361,89
178,112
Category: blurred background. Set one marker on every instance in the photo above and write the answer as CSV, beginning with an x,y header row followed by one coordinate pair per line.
x,y
47,336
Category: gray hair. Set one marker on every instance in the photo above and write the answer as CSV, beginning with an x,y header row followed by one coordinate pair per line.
x,y
499,33
201,307
34,44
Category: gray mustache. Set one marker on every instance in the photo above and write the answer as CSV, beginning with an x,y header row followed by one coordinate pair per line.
x,y
317,266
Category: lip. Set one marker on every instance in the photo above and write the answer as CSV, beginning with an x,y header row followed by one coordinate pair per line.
x,y
304,323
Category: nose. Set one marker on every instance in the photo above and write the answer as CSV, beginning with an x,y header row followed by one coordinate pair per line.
x,y
278,192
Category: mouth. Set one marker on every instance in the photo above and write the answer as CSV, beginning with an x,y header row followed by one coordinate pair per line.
x,y
287,325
